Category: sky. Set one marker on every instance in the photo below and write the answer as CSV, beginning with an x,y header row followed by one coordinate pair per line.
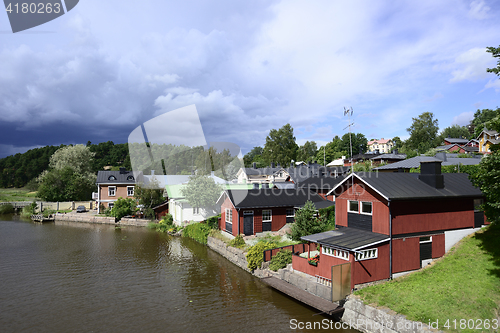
x,y
104,68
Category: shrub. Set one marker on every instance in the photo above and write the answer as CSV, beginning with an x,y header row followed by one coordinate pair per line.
x,y
6,209
213,222
197,231
328,214
280,260
122,207
306,222
29,210
167,219
237,241
255,254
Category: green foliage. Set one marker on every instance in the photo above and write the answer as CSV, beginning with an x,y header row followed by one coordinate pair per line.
x,y
237,241
397,142
359,143
122,207
213,221
280,260
423,132
307,222
255,255
331,151
363,166
280,146
66,185
454,131
202,192
30,209
167,219
197,231
6,209
328,215
166,224
149,197
254,155
307,152
488,180
495,52
481,119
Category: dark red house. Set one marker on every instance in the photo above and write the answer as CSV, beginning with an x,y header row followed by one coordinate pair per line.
x,y
252,211
390,223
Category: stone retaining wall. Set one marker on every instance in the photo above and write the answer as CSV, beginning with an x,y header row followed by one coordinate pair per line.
x,y
89,218
234,255
134,222
366,318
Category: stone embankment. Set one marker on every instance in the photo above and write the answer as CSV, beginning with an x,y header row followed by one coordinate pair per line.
x,y
234,255
90,218
370,319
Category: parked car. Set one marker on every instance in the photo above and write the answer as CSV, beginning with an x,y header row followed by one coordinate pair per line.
x,y
80,209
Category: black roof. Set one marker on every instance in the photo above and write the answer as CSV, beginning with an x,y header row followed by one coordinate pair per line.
x,y
118,177
262,198
405,186
324,183
347,238
262,171
459,141
302,172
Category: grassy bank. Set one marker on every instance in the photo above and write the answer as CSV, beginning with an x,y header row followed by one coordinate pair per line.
x,y
17,194
465,284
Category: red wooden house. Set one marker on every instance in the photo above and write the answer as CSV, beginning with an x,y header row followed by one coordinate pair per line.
x,y
390,223
268,209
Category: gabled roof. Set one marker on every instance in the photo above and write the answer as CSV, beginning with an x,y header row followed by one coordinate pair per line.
x,y
323,183
303,172
489,132
115,177
347,238
448,147
414,162
459,141
381,141
262,171
406,186
389,156
267,198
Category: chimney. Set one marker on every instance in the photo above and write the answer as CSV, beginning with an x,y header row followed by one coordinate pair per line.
x,y
123,171
255,186
430,173
254,165
441,156
152,172
273,165
395,151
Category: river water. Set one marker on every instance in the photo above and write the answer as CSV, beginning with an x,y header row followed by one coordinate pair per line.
x,y
78,277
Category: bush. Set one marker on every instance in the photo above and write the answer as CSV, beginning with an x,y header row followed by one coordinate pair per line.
x,y
166,224
167,220
213,222
122,207
197,231
328,214
238,242
6,209
280,260
29,210
255,254
307,222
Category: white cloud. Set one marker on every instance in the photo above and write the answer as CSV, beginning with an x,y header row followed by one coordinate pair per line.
x,y
479,10
495,84
463,119
471,65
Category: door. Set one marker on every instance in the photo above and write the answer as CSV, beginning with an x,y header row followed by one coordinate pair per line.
x,y
425,250
248,223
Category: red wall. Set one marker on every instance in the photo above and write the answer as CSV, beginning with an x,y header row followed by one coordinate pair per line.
x,y
428,215
438,248
360,192
405,254
227,204
364,271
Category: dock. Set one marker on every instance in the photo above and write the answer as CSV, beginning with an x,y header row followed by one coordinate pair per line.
x,y
40,218
303,296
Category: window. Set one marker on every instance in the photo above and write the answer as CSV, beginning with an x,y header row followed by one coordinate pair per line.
x,y
366,254
112,191
130,191
130,178
427,239
110,205
366,207
111,177
229,215
290,212
266,215
196,210
329,251
353,207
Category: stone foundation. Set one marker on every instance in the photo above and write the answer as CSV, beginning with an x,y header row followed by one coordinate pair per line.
x,y
90,218
234,255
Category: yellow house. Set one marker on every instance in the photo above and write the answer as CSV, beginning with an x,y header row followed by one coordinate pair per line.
x,y
382,145
486,139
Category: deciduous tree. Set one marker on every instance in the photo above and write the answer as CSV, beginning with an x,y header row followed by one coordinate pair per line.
x,y
307,222
423,132
202,192
280,146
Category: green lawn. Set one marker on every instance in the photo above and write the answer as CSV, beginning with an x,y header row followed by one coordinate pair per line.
x,y
464,284
17,194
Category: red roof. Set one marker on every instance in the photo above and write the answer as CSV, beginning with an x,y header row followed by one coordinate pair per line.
x,y
381,141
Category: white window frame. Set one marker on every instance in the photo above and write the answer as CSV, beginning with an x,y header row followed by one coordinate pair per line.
x,y
111,189
229,215
334,252
130,189
110,205
366,254
361,208
290,209
270,215
425,240
349,207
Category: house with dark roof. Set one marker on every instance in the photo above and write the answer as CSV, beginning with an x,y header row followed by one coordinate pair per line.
x,y
488,138
112,185
322,185
393,223
257,210
459,141
388,158
452,148
414,162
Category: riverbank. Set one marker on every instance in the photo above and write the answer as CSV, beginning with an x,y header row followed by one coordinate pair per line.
x,y
91,218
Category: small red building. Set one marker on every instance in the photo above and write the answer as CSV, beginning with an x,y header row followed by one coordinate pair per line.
x,y
391,223
267,209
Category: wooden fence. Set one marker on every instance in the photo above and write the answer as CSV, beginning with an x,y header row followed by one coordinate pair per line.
x,y
296,248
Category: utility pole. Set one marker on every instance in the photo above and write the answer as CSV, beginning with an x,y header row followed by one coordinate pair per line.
x,y
349,112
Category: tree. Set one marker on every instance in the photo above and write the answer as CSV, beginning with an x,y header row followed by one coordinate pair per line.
x,y
202,192
70,176
280,146
423,132
397,142
122,207
481,117
307,222
250,157
359,143
454,131
307,152
495,52
149,196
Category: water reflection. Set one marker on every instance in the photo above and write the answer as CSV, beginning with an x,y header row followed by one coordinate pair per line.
x,y
79,277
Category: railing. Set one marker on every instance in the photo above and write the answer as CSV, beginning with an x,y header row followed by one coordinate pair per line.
x,y
324,280
296,248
